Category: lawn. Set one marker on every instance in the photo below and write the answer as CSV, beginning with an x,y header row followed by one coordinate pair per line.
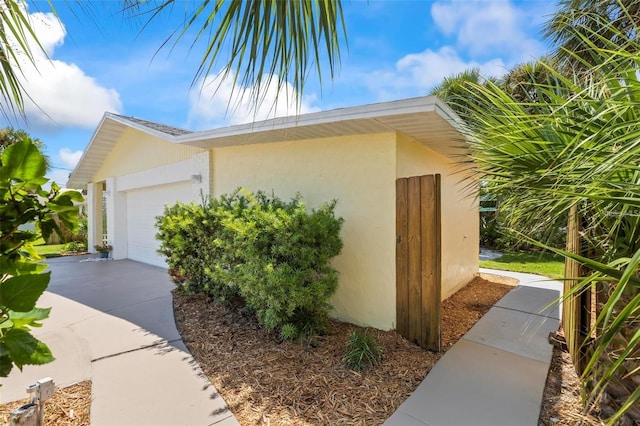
x,y
549,265
50,250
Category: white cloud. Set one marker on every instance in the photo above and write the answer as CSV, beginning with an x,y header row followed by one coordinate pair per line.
x,y
215,101
487,26
69,158
58,176
61,93
416,73
489,35
427,68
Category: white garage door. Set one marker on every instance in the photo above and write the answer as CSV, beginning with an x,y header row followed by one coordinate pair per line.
x,y
143,205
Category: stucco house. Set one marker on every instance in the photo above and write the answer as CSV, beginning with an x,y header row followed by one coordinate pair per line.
x,y
355,155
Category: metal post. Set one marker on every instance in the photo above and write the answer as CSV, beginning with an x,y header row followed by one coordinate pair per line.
x,y
32,414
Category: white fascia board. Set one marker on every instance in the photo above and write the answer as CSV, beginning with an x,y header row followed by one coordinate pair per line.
x,y
372,111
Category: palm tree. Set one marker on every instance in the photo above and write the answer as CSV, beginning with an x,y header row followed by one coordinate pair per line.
x,y
606,22
453,90
15,31
579,148
256,41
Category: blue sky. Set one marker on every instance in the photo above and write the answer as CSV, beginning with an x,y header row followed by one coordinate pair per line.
x,y
101,61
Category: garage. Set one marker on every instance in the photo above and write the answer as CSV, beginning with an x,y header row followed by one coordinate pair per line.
x,y
143,205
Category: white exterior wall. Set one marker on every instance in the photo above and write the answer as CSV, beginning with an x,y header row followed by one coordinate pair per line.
x,y
358,171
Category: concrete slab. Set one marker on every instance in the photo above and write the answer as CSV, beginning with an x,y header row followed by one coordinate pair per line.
x,y
533,300
64,310
112,322
109,335
516,332
182,395
107,286
474,384
527,279
72,364
155,316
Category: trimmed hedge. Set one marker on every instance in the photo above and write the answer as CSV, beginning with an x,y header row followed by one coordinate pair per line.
x,y
273,254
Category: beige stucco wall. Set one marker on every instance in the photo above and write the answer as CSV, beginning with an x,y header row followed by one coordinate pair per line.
x,y
357,171
137,151
459,211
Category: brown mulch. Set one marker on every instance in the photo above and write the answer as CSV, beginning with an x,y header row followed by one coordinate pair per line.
x,y
264,382
562,404
68,407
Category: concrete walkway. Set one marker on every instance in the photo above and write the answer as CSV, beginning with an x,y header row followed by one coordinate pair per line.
x,y
496,373
112,323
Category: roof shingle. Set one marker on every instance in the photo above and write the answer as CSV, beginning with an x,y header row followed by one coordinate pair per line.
x,y
173,131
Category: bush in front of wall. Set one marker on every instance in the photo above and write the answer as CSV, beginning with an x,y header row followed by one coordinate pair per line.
x,y
274,254
362,350
284,273
187,235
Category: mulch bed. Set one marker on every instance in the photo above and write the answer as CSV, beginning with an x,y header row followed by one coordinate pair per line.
x,y
562,403
68,407
265,382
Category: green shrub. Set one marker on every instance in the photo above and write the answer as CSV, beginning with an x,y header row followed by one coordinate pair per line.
x,y
362,350
273,254
187,233
288,332
74,246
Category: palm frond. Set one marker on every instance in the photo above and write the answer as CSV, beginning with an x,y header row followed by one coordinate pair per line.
x,y
258,43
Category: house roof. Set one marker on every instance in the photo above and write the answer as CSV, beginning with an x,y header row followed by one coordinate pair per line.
x,y
427,120
174,131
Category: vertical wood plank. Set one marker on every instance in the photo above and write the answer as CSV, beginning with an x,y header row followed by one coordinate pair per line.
x,y
431,256
415,261
427,239
571,305
434,335
402,248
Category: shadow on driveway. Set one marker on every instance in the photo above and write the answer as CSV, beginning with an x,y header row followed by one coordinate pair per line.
x,y
136,292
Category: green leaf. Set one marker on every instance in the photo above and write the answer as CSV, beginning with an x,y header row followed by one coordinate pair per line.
x,y
22,161
5,365
23,320
24,349
19,266
21,292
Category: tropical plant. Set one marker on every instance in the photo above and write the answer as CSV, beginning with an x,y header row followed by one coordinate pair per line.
x,y
256,41
453,90
606,23
9,136
579,148
22,277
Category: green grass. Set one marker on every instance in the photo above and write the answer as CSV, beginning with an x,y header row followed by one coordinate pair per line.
x,y
51,250
549,265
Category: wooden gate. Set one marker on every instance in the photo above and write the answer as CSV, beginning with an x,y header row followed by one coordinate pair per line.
x,y
418,268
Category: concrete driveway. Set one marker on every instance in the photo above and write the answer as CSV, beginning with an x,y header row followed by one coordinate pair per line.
x,y
112,322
